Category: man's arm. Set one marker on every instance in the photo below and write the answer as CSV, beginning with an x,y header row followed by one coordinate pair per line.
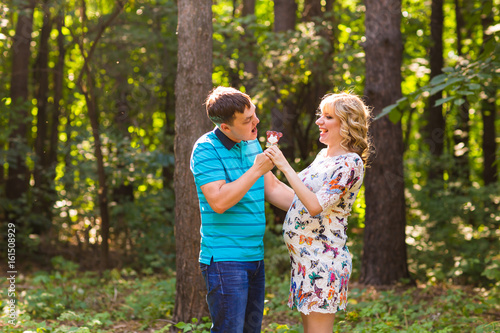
x,y
221,195
277,193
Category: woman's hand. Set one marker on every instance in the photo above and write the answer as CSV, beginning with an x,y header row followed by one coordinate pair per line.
x,y
275,154
305,195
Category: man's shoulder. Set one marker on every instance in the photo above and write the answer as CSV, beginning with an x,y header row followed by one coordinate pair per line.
x,y
206,140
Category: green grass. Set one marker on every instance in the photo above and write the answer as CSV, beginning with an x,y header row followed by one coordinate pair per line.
x,y
67,300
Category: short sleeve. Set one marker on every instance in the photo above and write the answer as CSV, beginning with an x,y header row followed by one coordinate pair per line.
x,y
339,180
206,165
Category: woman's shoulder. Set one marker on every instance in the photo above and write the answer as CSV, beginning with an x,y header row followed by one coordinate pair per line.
x,y
354,160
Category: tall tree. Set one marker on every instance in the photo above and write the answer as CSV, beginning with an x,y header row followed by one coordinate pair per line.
x,y
285,12
435,118
461,132
384,252
250,64
42,205
16,184
86,86
283,115
193,83
488,108
312,8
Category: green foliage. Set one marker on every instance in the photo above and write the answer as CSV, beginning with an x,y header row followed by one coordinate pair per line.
x,y
452,232
466,81
454,236
195,325
67,300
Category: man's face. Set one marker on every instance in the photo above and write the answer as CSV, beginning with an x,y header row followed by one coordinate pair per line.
x,y
244,126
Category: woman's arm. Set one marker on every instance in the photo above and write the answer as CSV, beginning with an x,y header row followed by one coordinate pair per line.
x,y
306,196
277,193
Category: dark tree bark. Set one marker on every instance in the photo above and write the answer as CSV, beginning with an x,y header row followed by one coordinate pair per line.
x,y
87,88
436,121
312,8
461,132
284,15
16,184
320,83
58,79
250,64
488,111
194,82
384,252
283,116
42,202
102,192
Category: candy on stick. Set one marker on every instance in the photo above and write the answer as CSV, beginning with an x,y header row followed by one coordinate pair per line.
x,y
272,138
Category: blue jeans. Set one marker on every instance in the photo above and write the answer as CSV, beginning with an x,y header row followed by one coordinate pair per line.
x,y
235,295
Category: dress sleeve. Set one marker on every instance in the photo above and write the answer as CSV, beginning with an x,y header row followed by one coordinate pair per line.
x,y
206,165
340,179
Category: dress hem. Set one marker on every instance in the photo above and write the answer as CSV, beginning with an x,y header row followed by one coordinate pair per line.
x,y
307,312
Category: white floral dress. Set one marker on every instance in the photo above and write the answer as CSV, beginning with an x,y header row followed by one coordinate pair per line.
x,y
321,262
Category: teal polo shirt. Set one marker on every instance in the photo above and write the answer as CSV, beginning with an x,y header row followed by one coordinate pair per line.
x,y
237,234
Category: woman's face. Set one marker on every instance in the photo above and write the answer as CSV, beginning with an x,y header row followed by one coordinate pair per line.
x,y
329,128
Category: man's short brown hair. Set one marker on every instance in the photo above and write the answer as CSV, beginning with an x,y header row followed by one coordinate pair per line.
x,y
223,102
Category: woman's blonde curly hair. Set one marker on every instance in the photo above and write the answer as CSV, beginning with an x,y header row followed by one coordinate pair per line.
x,y
354,117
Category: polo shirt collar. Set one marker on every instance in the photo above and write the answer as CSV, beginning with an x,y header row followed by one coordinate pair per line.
x,y
227,142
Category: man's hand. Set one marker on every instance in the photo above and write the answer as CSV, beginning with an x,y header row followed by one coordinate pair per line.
x,y
277,157
263,164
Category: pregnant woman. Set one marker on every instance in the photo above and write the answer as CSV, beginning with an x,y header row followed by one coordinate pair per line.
x,y
315,227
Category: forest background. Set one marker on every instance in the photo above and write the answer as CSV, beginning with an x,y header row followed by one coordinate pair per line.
x,y
101,102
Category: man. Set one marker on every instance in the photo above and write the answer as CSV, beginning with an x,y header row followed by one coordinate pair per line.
x,y
232,179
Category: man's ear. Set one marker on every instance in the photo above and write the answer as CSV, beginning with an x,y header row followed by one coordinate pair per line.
x,y
224,127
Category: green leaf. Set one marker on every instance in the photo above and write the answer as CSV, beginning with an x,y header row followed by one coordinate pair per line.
x,y
391,107
438,79
401,100
474,86
465,92
454,80
459,101
444,100
437,89
395,116
385,111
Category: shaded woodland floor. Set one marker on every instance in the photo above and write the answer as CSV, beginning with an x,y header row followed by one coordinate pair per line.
x,y
68,299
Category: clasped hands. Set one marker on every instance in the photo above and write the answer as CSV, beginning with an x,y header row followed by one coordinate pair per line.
x,y
271,157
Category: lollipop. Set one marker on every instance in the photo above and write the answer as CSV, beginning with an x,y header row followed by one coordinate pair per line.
x,y
272,138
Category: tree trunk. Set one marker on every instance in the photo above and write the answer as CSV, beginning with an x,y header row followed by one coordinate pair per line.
x,y
284,15
87,89
102,193
58,78
461,132
250,64
436,121
384,251
312,8
194,82
16,184
42,202
488,111
282,118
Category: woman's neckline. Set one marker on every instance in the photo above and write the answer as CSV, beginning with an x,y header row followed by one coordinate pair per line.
x,y
325,153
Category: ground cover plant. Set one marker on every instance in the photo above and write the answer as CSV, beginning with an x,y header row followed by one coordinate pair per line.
x,y
66,299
